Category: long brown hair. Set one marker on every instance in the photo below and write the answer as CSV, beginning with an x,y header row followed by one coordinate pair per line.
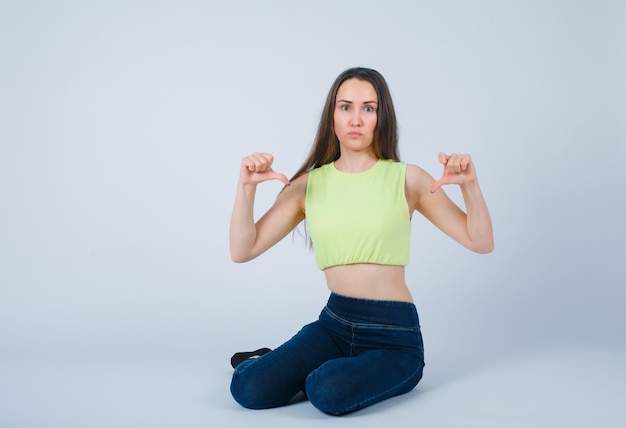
x,y
326,145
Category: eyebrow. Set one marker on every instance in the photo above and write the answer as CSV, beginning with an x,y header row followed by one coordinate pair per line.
x,y
350,102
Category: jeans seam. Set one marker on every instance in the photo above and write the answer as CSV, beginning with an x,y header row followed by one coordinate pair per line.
x,y
374,398
352,342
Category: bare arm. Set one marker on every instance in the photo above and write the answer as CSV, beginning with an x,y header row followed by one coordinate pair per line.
x,y
471,228
247,238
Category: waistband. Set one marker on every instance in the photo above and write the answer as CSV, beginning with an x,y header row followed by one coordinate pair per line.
x,y
359,310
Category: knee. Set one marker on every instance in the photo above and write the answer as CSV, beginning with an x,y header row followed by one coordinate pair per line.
x,y
247,389
331,391
325,394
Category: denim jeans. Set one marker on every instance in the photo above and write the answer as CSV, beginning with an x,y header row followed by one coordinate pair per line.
x,y
358,353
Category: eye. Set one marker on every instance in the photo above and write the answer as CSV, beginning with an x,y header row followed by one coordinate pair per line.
x,y
345,107
369,109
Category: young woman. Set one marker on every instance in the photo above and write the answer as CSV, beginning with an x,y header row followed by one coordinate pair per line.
x,y
358,200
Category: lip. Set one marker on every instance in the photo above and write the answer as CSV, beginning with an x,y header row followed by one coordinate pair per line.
x,y
354,134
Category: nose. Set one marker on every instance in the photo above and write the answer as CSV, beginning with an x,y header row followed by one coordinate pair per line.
x,y
356,119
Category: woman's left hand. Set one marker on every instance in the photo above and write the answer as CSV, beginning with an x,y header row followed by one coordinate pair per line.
x,y
457,169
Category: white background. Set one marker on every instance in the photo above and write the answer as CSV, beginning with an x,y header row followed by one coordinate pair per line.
x,y
122,125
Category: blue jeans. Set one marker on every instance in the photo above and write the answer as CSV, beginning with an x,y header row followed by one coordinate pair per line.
x,y
358,353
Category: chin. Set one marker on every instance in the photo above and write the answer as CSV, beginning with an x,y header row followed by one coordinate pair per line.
x,y
357,147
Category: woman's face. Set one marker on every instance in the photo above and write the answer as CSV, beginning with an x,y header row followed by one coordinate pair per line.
x,y
356,115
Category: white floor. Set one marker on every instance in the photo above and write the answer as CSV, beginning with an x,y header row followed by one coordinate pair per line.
x,y
542,388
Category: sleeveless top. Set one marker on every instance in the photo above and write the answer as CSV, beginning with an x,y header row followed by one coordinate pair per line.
x,y
358,218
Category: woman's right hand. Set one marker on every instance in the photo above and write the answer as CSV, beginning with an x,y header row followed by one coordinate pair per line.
x,y
257,168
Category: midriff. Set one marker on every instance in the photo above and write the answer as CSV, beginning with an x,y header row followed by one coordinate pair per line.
x,y
369,281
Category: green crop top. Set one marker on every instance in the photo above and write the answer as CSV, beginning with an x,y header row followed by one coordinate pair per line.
x,y
358,218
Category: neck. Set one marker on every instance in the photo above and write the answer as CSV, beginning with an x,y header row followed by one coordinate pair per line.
x,y
355,162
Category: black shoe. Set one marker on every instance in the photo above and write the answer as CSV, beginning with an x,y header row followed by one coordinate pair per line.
x,y
240,357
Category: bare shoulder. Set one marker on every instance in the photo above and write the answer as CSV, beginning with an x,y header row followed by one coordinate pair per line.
x,y
414,171
417,180
295,192
298,185
301,180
